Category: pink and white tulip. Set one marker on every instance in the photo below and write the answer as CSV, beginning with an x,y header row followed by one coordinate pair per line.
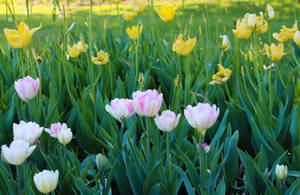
x,y
120,108
28,132
65,136
56,128
17,152
147,103
27,88
202,116
167,121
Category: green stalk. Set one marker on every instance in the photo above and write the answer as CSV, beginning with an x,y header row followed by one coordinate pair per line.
x,y
19,179
137,56
148,138
201,139
168,153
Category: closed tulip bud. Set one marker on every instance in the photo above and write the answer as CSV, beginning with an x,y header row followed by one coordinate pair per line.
x,y
20,38
297,38
17,152
65,136
120,108
270,11
27,88
281,172
202,116
250,20
225,42
28,132
101,161
46,181
206,147
147,103
167,121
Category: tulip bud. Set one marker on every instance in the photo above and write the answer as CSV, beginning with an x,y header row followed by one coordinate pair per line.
x,y
206,147
270,11
27,88
225,42
17,152
101,161
28,132
46,181
167,121
120,108
65,136
297,38
281,172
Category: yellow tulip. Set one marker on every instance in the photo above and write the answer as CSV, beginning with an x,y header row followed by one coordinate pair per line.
x,y
116,1
76,49
101,59
275,52
225,42
167,13
286,33
128,16
20,38
270,11
134,32
249,20
222,76
139,5
242,31
184,48
297,38
261,25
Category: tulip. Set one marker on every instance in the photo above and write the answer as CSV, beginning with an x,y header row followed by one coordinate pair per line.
x,y
82,46
277,52
250,20
167,13
101,59
167,121
270,11
65,136
116,1
56,128
28,132
134,32
222,76
76,49
261,25
120,108
20,38
202,116
147,103
46,181
27,88
128,16
139,5
297,38
101,161
281,172
184,48
286,33
225,42
242,31
64,14
17,152
206,147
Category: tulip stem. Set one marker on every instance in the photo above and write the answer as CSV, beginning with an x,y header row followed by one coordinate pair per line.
x,y
168,152
137,55
18,172
148,139
201,139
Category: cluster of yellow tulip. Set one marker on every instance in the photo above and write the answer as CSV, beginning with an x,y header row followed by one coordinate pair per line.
x,y
76,49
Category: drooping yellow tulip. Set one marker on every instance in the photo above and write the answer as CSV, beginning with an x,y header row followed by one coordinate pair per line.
x,y
139,5
297,38
261,25
270,11
128,16
225,42
20,38
167,13
222,76
275,52
242,31
101,59
184,48
134,32
286,33
76,49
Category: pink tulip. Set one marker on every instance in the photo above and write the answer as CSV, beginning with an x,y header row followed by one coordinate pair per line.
x,y
56,128
167,121
27,88
202,116
120,108
147,103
